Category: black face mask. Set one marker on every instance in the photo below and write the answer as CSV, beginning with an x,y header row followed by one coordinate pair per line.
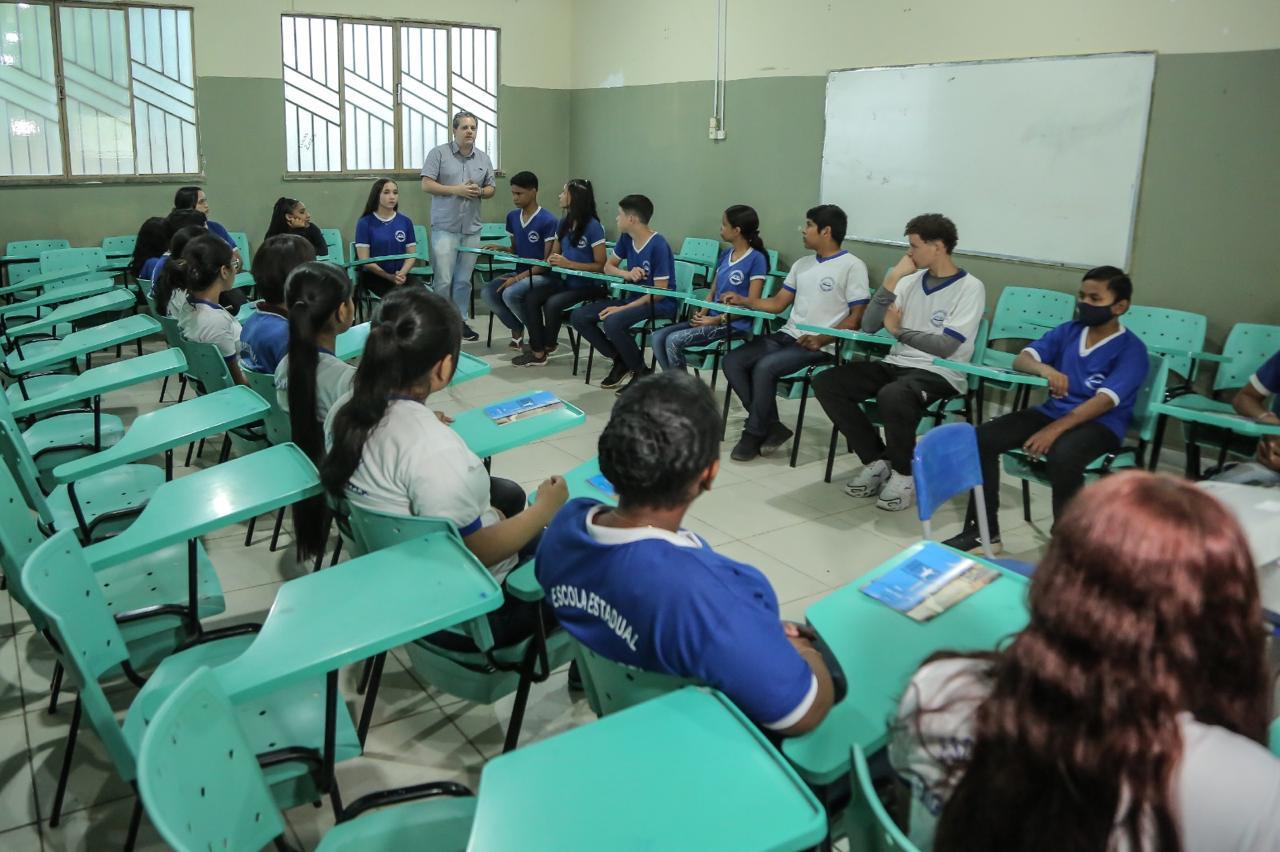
x,y
1093,315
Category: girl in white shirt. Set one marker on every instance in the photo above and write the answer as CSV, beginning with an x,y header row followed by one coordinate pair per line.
x,y
1128,714
204,271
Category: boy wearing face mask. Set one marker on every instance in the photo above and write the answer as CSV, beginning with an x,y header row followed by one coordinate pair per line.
x,y
1094,367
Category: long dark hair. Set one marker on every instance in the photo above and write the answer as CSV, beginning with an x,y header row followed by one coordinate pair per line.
x,y
314,292
1144,606
152,240
275,259
413,332
746,220
168,277
582,209
375,191
186,197
283,207
201,263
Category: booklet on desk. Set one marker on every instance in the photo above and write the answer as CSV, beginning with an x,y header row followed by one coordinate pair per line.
x,y
521,407
929,583
600,483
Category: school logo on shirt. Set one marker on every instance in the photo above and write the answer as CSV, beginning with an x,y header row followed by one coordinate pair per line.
x,y
647,268
582,242
938,318
400,236
735,277
534,236
826,285
1096,381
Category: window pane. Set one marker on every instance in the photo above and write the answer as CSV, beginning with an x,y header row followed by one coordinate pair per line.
x,y
311,115
474,81
96,76
424,92
369,116
30,135
164,107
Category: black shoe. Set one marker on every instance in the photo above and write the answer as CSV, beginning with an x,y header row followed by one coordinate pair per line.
x,y
469,334
778,435
747,448
635,377
616,375
969,541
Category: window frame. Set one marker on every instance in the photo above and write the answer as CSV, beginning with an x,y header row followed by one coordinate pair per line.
x,y
404,170
64,124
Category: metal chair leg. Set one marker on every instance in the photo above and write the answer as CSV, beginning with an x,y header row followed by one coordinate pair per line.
x,y
337,551
366,714
724,415
365,674
248,535
831,453
1026,501
591,354
163,387
60,793
55,688
517,713
795,439
135,821
1158,441
275,534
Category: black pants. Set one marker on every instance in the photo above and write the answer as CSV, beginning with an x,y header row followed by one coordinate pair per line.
x,y
233,300
901,393
544,307
375,284
1066,459
754,370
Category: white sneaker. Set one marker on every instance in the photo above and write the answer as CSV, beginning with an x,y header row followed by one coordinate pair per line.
x,y
869,480
898,493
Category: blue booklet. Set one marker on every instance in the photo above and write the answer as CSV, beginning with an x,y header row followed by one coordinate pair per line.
x,y
600,483
929,582
522,406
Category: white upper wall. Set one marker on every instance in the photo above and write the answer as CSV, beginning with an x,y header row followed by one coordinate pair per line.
x,y
241,38
664,41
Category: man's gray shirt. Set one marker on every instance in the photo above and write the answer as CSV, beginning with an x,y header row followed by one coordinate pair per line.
x,y
447,166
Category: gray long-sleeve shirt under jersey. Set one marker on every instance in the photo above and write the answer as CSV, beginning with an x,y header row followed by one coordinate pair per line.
x,y
938,345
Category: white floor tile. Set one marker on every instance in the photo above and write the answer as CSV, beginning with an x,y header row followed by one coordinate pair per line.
x,y
17,804
25,839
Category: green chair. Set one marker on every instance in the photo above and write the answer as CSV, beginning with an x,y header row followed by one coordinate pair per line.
x,y
868,825
277,429
55,260
24,258
77,345
1178,336
612,686
1247,346
241,239
1143,426
204,789
644,329
365,299
702,253
333,239
422,269
485,674
208,369
121,246
1022,314
710,355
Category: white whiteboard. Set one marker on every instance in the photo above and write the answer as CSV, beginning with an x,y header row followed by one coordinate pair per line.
x,y
1033,159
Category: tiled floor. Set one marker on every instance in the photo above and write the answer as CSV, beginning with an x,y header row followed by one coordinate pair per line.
x,y
807,536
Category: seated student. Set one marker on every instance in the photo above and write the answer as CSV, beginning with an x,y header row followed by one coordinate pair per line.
x,y
578,246
310,375
391,453
1095,368
674,605
381,231
1130,713
533,232
191,221
932,308
264,339
194,198
290,216
168,297
233,298
1251,401
829,289
741,269
152,242
204,271
606,323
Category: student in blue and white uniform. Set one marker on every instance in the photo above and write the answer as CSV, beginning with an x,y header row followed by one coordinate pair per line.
x,y
204,271
607,323
932,309
579,247
389,452
742,269
168,296
636,588
152,242
533,233
1252,401
1095,368
264,338
382,230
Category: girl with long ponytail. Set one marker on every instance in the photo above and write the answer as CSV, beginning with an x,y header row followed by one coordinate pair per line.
x,y
389,452
742,269
290,216
164,286
204,271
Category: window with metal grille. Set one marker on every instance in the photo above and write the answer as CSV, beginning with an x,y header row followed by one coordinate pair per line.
x,y
376,96
93,91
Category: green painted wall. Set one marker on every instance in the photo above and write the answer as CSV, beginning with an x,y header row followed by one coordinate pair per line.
x,y
1206,212
242,131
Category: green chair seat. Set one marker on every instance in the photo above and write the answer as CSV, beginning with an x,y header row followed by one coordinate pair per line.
x,y
446,822
58,319
75,389
55,440
469,675
58,296
121,491
37,386
37,349
83,342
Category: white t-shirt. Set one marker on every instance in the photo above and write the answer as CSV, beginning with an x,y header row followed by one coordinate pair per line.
x,y
952,306
826,289
413,464
333,379
208,322
1227,787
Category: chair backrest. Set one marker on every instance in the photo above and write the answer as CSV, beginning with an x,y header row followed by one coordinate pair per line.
x,y
279,429
375,530
333,239
19,272
1026,313
55,260
1145,417
944,463
684,276
64,596
868,825
613,687
241,239
1170,329
19,535
123,244
18,460
493,231
206,364
1248,345
773,259
701,248
423,243
199,779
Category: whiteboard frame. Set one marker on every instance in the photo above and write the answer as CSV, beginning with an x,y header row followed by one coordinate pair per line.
x,y
1142,157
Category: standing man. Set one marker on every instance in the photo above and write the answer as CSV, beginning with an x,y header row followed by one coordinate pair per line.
x,y
459,175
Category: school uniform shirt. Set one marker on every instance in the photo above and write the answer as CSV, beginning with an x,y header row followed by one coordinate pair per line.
x,y
1116,366
384,237
333,379
530,239
735,276
202,321
581,250
666,602
951,306
221,232
264,338
655,256
151,266
1267,380
1226,787
826,289
413,464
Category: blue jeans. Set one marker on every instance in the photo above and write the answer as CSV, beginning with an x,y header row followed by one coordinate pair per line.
x,y
613,337
1250,473
452,268
670,342
753,370
508,304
